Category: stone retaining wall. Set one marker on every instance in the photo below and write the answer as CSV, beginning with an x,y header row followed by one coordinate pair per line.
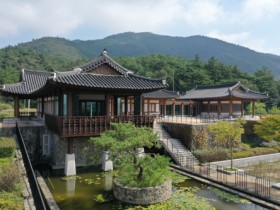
x,y
142,196
243,162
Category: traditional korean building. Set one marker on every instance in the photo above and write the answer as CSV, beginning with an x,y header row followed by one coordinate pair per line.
x,y
162,103
220,101
82,103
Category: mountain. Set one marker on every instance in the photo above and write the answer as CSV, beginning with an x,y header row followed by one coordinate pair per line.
x,y
139,44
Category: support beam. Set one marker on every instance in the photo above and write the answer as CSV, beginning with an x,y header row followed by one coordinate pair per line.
x,y
43,107
16,106
253,108
230,107
107,164
107,101
242,108
125,106
219,108
70,163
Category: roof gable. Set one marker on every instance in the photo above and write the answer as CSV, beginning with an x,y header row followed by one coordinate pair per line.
x,y
101,66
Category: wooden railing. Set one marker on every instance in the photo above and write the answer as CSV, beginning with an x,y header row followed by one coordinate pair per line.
x,y
76,126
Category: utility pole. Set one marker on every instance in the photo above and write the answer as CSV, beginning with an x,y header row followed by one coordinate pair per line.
x,y
173,80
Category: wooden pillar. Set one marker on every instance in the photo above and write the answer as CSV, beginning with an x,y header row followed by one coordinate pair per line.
x,y
141,105
230,107
191,109
107,104
148,106
16,106
173,111
70,149
241,108
219,108
125,106
164,107
130,108
182,109
253,108
70,104
43,107
208,107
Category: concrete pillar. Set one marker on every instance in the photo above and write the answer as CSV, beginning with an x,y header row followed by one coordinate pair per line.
x,y
70,165
107,164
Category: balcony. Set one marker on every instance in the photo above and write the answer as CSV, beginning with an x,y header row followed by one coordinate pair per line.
x,y
85,126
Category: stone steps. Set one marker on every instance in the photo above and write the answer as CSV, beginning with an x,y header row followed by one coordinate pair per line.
x,y
175,148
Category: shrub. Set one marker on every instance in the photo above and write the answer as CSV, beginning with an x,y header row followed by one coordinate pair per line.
x,y
271,143
7,147
254,152
11,200
211,155
9,177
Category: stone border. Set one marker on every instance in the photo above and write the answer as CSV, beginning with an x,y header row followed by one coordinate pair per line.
x,y
244,162
46,192
142,196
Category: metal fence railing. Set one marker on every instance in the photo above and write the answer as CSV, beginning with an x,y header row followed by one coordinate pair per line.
x,y
238,179
35,189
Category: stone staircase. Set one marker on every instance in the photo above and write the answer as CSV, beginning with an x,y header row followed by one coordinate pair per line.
x,y
180,154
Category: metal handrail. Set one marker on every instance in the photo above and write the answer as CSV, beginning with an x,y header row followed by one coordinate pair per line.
x,y
36,191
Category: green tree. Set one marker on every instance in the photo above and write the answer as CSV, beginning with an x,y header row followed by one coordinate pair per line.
x,y
123,142
274,110
268,128
259,108
228,132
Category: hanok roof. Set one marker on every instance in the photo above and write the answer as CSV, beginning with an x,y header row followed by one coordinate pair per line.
x,y
33,83
237,90
161,94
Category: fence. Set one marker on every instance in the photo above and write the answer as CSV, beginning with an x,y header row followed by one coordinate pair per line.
x,y
236,179
194,119
36,192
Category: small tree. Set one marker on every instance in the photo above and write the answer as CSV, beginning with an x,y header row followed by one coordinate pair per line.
x,y
259,108
227,132
268,128
274,110
123,143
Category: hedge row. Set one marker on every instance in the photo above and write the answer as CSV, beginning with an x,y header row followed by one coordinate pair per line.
x,y
212,155
255,152
7,147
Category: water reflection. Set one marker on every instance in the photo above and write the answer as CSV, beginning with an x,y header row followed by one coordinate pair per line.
x,y
80,193
70,187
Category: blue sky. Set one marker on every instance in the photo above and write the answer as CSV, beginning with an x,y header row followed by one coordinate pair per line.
x,y
249,23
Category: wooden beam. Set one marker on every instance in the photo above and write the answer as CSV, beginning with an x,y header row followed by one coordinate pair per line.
x,y
16,106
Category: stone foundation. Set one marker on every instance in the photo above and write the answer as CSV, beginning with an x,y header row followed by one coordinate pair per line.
x,y
142,196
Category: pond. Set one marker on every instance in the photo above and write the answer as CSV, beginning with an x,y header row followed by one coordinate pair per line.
x,y
80,193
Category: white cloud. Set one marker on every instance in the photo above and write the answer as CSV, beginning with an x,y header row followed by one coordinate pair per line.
x,y
244,39
254,10
203,12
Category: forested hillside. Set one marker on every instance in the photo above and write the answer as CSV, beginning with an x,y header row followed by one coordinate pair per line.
x,y
141,44
187,72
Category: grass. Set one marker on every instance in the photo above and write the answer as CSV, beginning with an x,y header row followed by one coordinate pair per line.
x,y
11,184
265,170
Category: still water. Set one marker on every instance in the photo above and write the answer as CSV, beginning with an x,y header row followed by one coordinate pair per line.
x,y
79,193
